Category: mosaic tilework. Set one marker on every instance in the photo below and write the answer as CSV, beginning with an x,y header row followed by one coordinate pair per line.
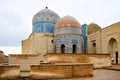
x,y
45,15
84,36
44,21
68,30
43,27
68,40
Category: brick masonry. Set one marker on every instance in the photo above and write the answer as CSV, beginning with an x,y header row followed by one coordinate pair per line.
x,y
61,70
9,72
98,60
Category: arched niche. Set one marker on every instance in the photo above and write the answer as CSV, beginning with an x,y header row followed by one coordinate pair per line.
x,y
74,48
94,47
62,48
113,49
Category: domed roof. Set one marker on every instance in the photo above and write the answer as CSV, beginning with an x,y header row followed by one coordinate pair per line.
x,y
67,21
45,15
93,28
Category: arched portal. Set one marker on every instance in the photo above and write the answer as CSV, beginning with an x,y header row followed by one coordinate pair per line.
x,y
113,49
94,47
74,48
62,48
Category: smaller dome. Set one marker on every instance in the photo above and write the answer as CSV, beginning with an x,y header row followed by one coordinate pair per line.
x,y
93,28
67,21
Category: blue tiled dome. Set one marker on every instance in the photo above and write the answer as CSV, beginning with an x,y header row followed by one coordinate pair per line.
x,y
45,15
44,21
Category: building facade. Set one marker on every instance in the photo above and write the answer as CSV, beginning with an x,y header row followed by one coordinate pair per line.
x,y
41,38
50,34
107,40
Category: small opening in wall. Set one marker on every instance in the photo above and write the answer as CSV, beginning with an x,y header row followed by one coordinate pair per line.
x,y
74,48
62,48
52,41
116,57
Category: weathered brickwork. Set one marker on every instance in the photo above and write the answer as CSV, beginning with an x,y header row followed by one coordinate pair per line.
x,y
61,70
38,43
98,60
9,72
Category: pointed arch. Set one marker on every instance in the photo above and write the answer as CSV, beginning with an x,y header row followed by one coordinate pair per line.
x,y
113,49
112,46
94,47
74,48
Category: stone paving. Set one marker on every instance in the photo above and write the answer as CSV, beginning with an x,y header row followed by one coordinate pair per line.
x,y
101,74
115,67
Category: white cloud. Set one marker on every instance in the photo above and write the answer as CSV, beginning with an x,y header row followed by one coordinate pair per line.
x,y
11,50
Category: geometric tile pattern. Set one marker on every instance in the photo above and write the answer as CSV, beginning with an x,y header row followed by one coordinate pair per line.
x,y
68,30
43,27
44,21
68,40
45,15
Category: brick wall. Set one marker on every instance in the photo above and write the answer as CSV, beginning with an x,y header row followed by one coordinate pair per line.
x,y
24,60
98,60
66,58
31,45
9,72
61,70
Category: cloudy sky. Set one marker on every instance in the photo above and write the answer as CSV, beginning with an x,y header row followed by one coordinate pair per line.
x,y
16,17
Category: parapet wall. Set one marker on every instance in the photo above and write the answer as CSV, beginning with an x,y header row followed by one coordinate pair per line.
x,y
20,59
24,60
98,60
66,58
61,70
9,72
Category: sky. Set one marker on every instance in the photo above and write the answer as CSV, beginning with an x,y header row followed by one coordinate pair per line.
x,y
16,17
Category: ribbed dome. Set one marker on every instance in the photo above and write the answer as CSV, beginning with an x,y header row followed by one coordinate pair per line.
x,y
67,21
45,15
93,28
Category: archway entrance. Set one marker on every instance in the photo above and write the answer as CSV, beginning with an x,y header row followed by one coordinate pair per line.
x,y
94,47
113,49
62,48
74,48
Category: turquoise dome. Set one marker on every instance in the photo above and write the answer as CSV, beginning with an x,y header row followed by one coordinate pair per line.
x,y
45,15
44,21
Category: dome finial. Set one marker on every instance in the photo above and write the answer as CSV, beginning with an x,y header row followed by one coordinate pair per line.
x,y
46,7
